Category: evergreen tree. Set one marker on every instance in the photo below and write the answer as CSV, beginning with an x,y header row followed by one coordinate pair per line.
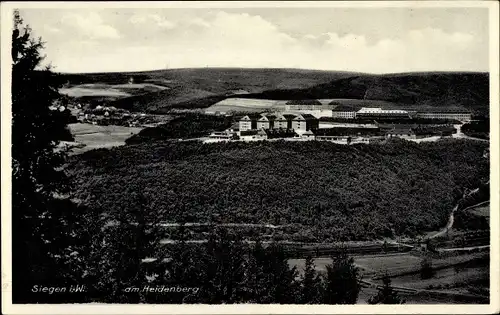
x,y
181,265
342,280
282,285
386,295
46,245
224,263
255,278
268,277
311,284
129,238
426,270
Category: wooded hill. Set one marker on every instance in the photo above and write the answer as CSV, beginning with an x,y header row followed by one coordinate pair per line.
x,y
446,89
335,192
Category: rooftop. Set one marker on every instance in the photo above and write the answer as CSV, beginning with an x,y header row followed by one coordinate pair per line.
x,y
286,117
381,111
344,108
252,116
306,116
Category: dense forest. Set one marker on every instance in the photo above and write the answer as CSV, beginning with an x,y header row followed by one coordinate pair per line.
x,y
334,192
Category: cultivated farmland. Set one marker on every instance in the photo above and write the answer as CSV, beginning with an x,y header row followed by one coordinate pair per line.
x,y
94,136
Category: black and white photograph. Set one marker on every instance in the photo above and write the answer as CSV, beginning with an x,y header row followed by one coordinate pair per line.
x,y
312,154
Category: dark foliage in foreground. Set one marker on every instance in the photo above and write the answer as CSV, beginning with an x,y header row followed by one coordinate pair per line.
x,y
386,295
225,270
49,233
335,192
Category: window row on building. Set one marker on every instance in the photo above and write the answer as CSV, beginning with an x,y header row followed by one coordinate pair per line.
x,y
297,122
373,113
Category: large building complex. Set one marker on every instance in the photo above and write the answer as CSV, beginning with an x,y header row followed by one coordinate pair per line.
x,y
345,112
461,115
300,123
370,112
316,110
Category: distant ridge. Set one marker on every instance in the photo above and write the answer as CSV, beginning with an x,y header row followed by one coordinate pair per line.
x,y
191,88
443,89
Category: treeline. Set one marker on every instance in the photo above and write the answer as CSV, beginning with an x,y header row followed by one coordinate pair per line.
x,y
335,192
186,125
477,129
443,130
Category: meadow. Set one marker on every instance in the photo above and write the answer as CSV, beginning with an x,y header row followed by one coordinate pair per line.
x,y
95,136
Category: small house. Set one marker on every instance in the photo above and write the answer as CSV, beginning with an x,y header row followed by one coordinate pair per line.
x,y
253,135
404,133
308,135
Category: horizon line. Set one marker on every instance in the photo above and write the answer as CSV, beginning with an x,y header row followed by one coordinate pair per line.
x,y
277,68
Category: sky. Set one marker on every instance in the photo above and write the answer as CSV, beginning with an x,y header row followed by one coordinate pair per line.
x,y
373,40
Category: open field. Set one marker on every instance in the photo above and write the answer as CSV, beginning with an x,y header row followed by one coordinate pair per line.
x,y
373,265
245,105
110,90
483,211
448,283
444,278
94,136
398,265
78,91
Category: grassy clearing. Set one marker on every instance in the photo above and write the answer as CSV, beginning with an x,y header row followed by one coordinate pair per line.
x,y
94,136
447,279
300,264
483,211
78,91
246,105
404,264
110,90
392,263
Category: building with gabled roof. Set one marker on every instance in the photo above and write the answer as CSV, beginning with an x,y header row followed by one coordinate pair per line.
x,y
305,122
266,122
344,112
284,121
249,122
